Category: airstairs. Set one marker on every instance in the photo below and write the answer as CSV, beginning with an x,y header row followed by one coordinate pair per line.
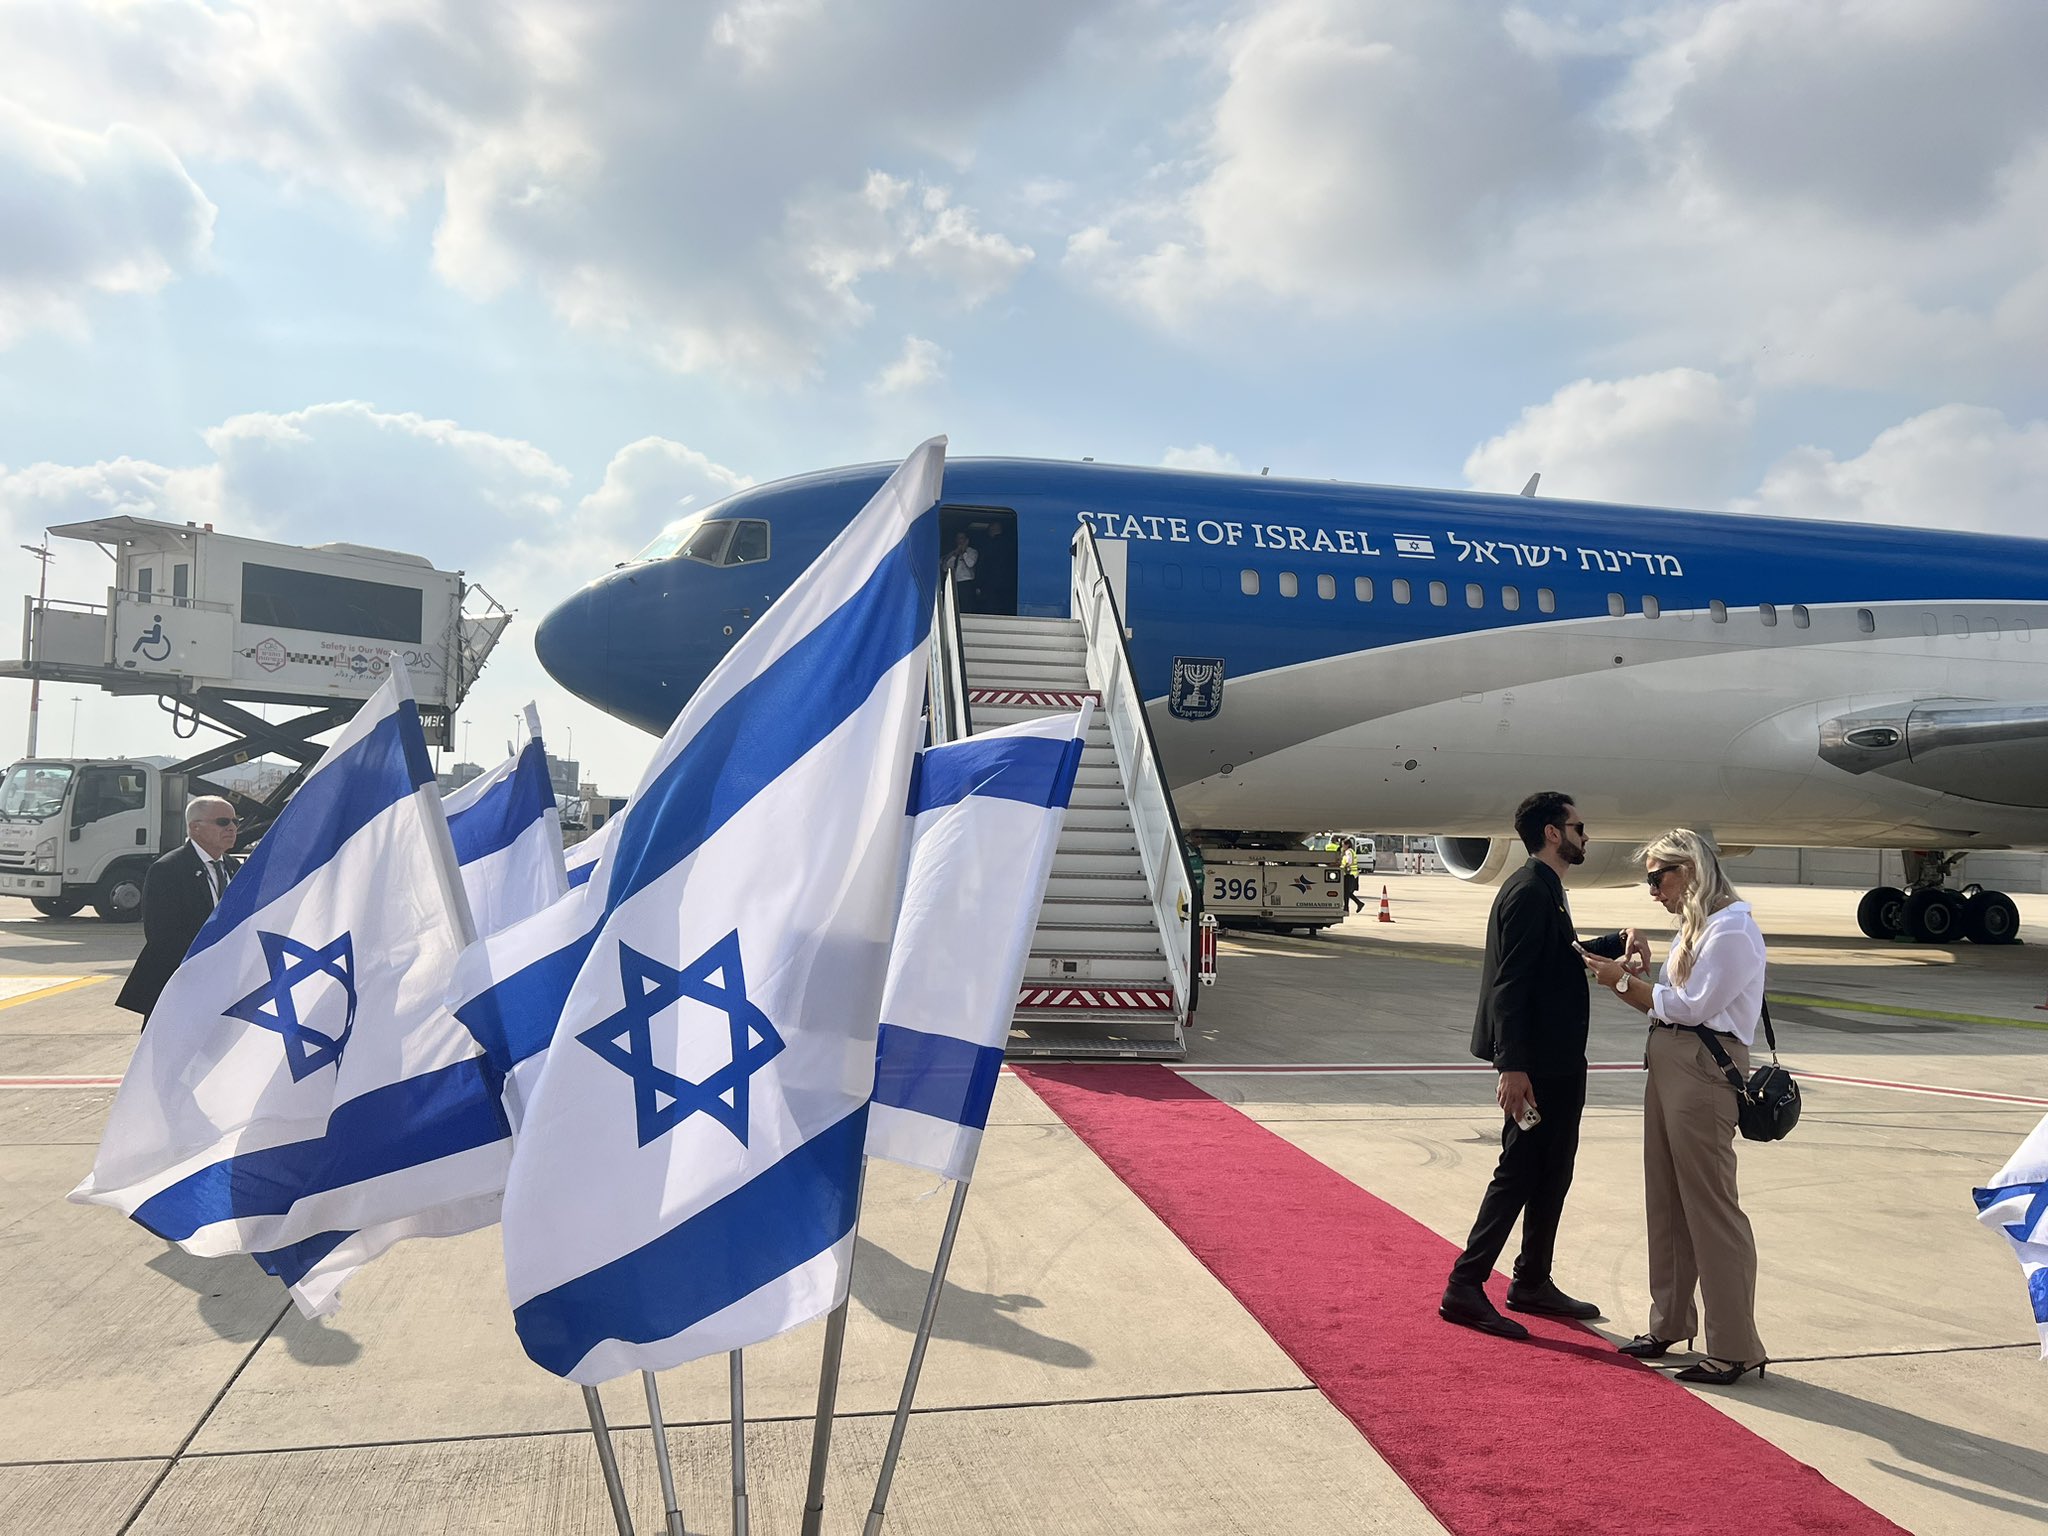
x,y
1112,965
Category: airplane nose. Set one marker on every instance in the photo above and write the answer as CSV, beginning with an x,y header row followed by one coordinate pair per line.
x,y
573,640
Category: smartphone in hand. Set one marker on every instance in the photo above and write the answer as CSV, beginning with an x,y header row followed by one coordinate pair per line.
x,y
1528,1119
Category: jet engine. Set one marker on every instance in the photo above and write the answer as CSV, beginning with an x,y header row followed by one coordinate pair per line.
x,y
1490,860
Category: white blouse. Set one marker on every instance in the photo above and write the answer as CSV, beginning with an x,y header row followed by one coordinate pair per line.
x,y
1726,988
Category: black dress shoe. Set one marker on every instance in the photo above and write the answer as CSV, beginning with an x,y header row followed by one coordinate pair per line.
x,y
1545,1298
1716,1374
1647,1346
1470,1307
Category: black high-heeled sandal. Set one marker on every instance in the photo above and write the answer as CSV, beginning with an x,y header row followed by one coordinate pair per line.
x,y
1712,1373
1647,1346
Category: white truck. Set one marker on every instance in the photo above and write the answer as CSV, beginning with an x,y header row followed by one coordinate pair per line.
x,y
1272,888
75,831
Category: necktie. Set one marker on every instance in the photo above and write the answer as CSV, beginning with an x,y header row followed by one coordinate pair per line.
x,y
216,877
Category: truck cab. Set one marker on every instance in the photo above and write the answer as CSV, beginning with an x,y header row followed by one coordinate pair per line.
x,y
75,831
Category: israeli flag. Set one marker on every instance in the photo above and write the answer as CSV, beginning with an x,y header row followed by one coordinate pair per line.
x,y
2016,1203
687,1166
508,843
583,858
987,814
508,837
302,1073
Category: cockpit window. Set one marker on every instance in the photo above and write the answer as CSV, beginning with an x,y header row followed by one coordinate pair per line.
x,y
710,541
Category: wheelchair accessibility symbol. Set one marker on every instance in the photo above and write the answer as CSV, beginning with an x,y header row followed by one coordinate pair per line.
x,y
152,642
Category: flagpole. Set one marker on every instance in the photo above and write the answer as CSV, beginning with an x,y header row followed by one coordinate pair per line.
x,y
828,1378
739,1445
607,1458
672,1510
910,1375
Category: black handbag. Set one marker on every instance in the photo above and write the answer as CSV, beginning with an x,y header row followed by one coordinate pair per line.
x,y
1767,1106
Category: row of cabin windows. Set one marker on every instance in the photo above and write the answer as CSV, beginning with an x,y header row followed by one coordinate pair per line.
x,y
1401,590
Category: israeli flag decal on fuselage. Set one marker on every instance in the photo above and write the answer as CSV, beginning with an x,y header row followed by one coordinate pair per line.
x,y
1197,691
1415,546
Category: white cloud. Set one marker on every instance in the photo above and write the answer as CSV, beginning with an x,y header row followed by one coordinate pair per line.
x,y
1676,438
655,171
1963,467
920,363
648,485
89,213
1204,457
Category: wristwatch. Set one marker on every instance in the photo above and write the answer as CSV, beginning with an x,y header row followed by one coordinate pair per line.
x,y
1621,983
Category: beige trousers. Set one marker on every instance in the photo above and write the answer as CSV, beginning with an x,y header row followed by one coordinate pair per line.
x,y
1699,1238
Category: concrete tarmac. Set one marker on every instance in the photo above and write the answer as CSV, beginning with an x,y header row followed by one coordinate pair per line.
x,y
1088,1375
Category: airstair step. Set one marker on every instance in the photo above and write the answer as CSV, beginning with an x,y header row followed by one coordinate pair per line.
x,y
1066,685
1094,1037
1120,940
1126,884
1097,968
1046,652
1122,863
976,624
1085,911
1100,797
1089,840
1088,818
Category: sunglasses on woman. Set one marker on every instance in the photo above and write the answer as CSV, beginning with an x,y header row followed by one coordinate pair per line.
x,y
1655,877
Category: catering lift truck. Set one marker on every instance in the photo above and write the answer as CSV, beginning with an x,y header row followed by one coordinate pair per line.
x,y
1270,882
218,627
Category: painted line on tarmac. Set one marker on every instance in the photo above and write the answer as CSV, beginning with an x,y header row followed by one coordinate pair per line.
x,y
60,1082
1947,1093
50,991
1899,1010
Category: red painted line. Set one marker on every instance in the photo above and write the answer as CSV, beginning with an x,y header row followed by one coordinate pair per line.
x,y
1350,1068
60,1082
1805,1076
1496,1439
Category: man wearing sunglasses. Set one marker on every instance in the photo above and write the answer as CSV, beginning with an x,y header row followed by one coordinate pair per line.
x,y
178,894
1532,1023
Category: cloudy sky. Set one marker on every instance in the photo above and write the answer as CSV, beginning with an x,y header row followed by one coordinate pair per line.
x,y
508,282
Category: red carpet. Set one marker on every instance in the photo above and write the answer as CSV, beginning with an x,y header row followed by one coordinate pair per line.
x,y
1560,1434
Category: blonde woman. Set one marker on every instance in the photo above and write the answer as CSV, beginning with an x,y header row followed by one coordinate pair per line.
x,y
1699,1238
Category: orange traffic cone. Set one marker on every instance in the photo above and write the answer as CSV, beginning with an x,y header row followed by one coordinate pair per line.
x,y
1386,912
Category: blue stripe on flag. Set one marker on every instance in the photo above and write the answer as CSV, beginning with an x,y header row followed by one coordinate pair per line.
x,y
506,811
785,711
1032,769
784,1217
331,807
516,1018
579,874
437,1114
2037,1290
937,1075
293,1264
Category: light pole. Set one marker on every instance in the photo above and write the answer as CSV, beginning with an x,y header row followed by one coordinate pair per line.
x,y
35,665
74,727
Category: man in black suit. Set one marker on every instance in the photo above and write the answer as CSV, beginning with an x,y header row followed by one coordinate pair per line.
x,y
1531,1025
178,894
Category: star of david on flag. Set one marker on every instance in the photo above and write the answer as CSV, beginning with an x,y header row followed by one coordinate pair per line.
x,y
275,1005
661,1099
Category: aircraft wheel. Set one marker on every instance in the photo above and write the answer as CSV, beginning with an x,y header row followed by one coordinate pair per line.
x,y
1881,912
1991,917
119,898
1933,916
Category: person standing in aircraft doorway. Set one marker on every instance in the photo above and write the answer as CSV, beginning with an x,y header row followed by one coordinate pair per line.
x,y
959,564
1531,1024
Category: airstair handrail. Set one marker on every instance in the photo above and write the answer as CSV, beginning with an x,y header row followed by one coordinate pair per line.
x,y
946,678
1162,849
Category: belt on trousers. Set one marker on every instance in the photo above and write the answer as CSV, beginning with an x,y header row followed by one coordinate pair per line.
x,y
1689,1029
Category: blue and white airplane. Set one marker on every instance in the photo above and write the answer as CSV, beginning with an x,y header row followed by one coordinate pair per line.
x,y
1413,660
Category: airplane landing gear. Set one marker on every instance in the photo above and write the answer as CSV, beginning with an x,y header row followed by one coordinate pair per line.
x,y
1931,913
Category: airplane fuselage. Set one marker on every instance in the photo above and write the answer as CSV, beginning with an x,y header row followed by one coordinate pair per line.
x,y
1415,660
